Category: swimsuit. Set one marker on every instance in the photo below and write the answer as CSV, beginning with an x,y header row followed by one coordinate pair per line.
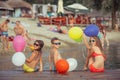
x,y
5,33
26,68
92,68
60,31
95,54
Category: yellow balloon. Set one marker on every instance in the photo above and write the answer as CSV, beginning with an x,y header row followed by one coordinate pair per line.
x,y
75,33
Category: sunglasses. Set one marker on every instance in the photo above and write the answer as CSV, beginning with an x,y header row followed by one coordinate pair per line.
x,y
58,43
36,44
91,40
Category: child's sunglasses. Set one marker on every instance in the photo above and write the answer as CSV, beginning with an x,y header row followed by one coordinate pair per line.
x,y
57,43
36,44
91,40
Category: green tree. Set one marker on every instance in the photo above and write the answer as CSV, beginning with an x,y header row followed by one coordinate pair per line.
x,y
40,1
112,6
105,5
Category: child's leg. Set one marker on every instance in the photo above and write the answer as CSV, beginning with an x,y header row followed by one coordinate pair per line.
x,y
106,39
3,41
90,61
102,41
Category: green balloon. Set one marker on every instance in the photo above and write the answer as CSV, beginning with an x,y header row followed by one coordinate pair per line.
x,y
78,40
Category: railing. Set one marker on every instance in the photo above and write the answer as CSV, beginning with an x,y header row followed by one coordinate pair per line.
x,y
61,20
65,21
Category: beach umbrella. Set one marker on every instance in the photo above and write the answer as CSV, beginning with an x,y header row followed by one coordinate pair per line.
x,y
76,7
60,7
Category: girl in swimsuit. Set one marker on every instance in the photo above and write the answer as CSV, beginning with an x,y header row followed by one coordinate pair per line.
x,y
35,58
95,58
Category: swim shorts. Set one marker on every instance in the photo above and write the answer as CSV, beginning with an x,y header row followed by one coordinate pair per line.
x,y
5,33
26,68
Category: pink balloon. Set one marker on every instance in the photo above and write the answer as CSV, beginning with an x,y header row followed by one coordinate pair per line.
x,y
19,43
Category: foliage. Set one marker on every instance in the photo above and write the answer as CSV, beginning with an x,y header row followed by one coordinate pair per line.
x,y
66,2
94,4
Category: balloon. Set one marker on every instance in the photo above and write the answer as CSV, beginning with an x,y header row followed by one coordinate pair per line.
x,y
62,66
100,35
78,40
91,30
72,64
31,47
75,33
18,59
19,43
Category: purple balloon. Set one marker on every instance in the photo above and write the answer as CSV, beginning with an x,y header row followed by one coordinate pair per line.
x,y
91,30
19,43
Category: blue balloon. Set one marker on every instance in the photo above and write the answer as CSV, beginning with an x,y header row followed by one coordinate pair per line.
x,y
91,30
100,35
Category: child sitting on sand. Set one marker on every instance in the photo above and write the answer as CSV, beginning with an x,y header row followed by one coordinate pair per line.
x,y
35,58
54,53
96,57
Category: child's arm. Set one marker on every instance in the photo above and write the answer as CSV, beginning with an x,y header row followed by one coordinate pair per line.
x,y
86,62
87,59
49,58
41,64
104,56
57,56
30,58
85,41
104,33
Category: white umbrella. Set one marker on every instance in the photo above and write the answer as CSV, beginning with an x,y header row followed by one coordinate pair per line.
x,y
60,6
76,7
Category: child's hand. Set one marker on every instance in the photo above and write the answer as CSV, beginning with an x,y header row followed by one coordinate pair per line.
x,y
85,68
50,68
26,60
40,70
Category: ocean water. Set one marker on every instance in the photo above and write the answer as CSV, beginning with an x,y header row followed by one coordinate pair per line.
x,y
79,52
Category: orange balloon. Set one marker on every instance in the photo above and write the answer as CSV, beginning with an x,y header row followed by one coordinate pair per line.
x,y
31,47
62,66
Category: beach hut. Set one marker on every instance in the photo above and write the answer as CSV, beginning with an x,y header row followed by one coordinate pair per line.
x,y
45,10
21,7
5,9
5,6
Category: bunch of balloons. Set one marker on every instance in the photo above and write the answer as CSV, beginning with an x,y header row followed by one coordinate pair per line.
x,y
75,33
63,66
91,30
72,64
18,58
